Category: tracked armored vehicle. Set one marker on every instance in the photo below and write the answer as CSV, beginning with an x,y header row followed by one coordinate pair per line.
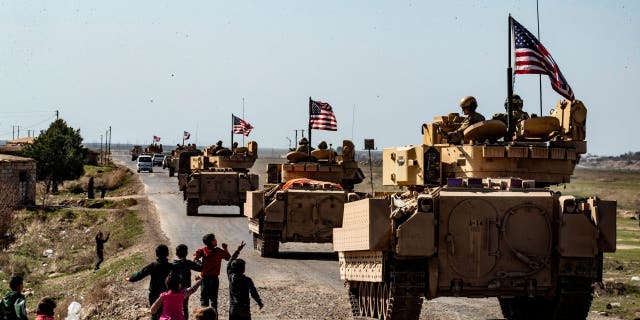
x,y
219,177
153,148
304,200
172,161
478,219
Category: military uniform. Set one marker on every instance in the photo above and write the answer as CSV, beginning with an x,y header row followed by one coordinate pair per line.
x,y
473,118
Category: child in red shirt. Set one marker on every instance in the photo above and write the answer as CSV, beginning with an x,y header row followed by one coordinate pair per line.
x,y
211,259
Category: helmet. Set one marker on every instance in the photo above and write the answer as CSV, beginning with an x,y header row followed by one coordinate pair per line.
x,y
469,102
516,102
219,143
303,141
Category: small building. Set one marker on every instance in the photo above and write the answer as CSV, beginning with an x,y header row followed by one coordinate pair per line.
x,y
18,176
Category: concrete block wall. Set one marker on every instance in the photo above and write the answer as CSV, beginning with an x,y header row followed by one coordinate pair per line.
x,y
10,171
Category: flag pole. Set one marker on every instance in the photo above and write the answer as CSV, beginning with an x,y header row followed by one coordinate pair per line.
x,y
242,119
510,122
231,145
539,75
309,146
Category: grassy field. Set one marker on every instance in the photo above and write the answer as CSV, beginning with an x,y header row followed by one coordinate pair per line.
x,y
54,249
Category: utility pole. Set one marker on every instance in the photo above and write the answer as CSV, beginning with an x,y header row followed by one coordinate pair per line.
x,y
57,114
100,160
109,150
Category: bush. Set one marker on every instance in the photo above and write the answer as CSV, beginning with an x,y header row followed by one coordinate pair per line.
x,y
115,179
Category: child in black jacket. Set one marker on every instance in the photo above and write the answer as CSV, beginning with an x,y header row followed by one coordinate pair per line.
x,y
240,286
158,270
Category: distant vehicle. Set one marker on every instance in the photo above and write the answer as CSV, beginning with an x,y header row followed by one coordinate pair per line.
x,y
145,163
166,161
303,199
135,152
218,177
158,159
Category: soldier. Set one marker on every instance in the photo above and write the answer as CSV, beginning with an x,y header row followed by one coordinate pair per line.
x,y
217,147
516,113
468,105
303,146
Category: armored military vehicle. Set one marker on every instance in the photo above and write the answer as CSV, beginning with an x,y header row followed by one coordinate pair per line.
x,y
153,148
135,152
478,220
304,199
172,161
219,177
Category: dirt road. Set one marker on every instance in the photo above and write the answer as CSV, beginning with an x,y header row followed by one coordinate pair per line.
x,y
302,283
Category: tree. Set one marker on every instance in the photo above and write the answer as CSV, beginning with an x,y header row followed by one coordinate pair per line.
x,y
58,153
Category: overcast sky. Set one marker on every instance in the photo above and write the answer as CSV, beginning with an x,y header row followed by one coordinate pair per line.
x,y
161,67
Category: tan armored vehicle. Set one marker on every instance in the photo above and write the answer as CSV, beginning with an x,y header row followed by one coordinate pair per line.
x,y
153,148
172,162
136,151
219,177
478,220
304,200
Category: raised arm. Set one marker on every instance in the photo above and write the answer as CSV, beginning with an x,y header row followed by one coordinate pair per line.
x,y
237,252
193,288
156,305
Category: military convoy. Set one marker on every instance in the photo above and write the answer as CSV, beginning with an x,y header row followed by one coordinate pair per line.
x,y
478,219
304,198
220,176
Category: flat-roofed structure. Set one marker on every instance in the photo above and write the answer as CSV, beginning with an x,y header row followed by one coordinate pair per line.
x,y
18,178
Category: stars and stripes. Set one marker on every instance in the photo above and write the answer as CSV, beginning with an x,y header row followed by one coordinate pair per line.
x,y
186,135
533,58
156,139
240,126
322,117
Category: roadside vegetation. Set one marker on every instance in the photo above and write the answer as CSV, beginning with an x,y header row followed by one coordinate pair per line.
x,y
54,246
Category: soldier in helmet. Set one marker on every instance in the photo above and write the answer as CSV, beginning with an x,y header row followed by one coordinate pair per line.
x,y
516,113
216,148
468,105
303,146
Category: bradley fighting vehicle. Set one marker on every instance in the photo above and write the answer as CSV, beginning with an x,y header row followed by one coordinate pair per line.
x,y
173,161
219,177
479,220
304,199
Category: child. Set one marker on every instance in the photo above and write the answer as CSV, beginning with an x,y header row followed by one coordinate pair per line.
x,y
158,270
45,309
100,240
206,313
172,301
14,303
211,258
240,286
183,267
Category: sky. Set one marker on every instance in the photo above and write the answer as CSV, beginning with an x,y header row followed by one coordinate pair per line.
x,y
148,68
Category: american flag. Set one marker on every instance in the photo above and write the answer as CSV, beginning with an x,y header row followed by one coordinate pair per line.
x,y
533,58
156,139
240,126
186,135
322,117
